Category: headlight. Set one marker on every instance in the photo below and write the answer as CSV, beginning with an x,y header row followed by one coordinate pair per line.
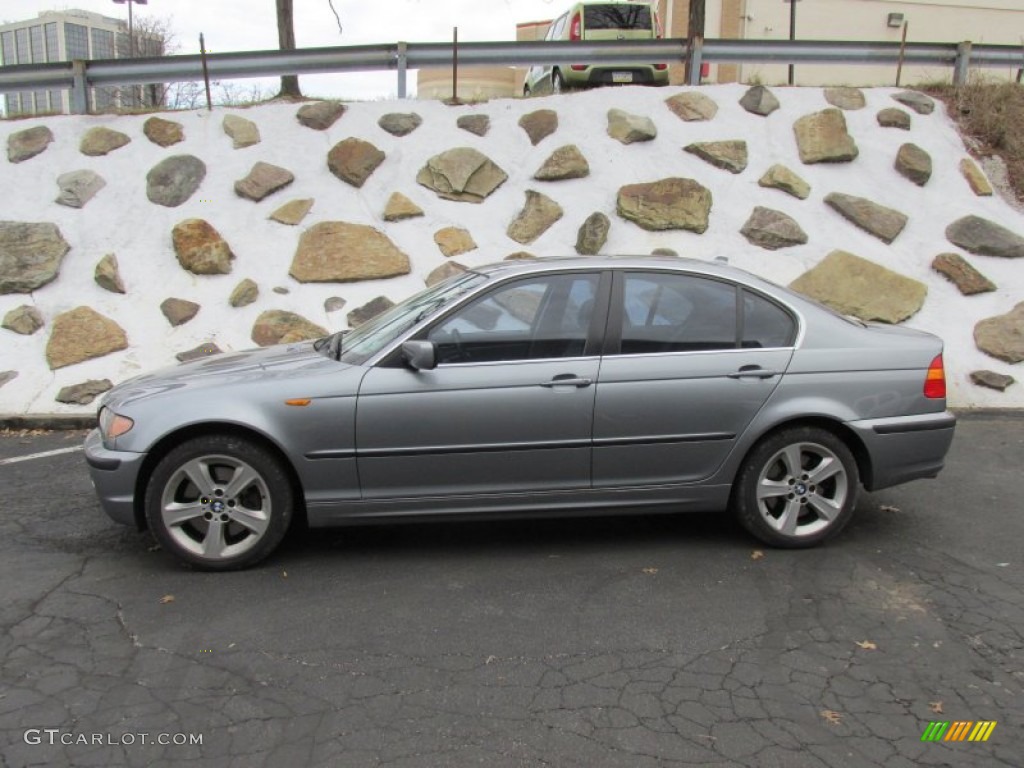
x,y
113,425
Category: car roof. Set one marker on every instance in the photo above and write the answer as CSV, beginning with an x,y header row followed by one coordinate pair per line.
x,y
682,264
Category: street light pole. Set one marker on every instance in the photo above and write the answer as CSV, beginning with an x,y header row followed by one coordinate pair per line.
x,y
792,32
136,96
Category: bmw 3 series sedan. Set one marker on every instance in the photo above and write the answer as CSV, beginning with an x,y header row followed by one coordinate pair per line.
x,y
532,388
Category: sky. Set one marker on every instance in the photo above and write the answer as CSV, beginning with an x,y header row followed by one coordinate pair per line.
x,y
246,25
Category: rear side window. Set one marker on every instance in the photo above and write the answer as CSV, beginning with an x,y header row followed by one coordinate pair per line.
x,y
765,323
633,16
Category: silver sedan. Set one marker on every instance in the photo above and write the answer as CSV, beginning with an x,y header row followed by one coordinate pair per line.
x,y
548,387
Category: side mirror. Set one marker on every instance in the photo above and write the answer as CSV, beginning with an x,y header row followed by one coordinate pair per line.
x,y
419,355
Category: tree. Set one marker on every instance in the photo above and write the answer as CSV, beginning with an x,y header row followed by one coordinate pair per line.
x,y
286,40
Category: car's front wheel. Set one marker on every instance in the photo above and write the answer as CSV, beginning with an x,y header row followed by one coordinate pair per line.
x,y
797,488
219,502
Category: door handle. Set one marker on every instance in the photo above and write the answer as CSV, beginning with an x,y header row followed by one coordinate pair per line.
x,y
752,372
567,380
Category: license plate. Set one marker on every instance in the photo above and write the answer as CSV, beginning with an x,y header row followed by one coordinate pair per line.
x,y
622,77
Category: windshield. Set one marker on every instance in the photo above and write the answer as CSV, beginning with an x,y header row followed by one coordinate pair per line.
x,y
372,336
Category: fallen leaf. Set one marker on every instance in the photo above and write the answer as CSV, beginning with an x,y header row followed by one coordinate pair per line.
x,y
650,570
889,508
867,645
935,706
833,718
489,659
166,599
757,554
284,574
231,645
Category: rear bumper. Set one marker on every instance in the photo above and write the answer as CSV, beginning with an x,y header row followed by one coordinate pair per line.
x,y
641,74
905,448
113,476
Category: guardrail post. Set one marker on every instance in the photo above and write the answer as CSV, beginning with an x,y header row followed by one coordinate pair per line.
x,y
694,54
402,59
79,91
962,63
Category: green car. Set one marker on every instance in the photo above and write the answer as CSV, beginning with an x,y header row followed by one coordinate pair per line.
x,y
593,22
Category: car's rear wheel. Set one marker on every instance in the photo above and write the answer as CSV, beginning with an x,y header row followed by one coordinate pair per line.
x,y
219,502
797,488
558,83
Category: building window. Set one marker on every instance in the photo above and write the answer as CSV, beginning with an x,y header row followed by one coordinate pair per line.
x,y
57,101
21,38
102,44
38,51
52,48
7,48
77,41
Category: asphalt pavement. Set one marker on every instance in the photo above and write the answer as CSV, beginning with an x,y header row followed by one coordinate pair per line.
x,y
630,641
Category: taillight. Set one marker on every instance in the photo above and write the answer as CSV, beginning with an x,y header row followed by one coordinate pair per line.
x,y
574,27
661,67
935,379
577,67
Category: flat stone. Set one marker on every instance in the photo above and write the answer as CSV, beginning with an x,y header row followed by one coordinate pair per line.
x,y
399,208
475,124
914,163
446,270
30,255
692,106
916,101
955,268
672,203
975,178
1002,336
82,334
101,141
354,160
564,163
164,133
629,129
520,256
462,174
981,236
320,115
244,294
992,380
78,187
174,180
758,100
25,320
855,286
178,311
665,252
7,376
821,137
537,215
339,252
203,350
281,290
263,180
369,310
593,234
26,144
293,212
243,133
891,117
84,393
454,241
539,124
334,303
728,155
107,274
845,98
277,326
400,123
200,248
781,177
772,229
884,223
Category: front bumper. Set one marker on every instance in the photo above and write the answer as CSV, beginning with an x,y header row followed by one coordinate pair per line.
x,y
905,448
114,474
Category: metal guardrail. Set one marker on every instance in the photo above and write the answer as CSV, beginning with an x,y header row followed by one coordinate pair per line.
x,y
79,75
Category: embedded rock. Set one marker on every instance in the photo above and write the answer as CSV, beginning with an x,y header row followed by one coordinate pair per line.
x,y
520,256
101,141
672,203
107,275
914,163
203,350
891,117
399,208
340,252
845,98
772,229
691,106
173,181
26,144
30,255
916,101
884,223
334,303
955,268
821,137
539,213
245,293
369,310
25,320
975,178
593,234
320,115
855,286
162,132
400,124
665,253
780,177
564,163
84,393
628,128
759,100
539,124
977,235
446,270
353,160
264,179
476,124
728,155
277,326
280,289
6,376
178,311
243,133
82,334
1002,336
992,380
461,174
454,241
78,187
200,248
292,212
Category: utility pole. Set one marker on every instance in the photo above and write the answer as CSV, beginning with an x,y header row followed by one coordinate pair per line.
x,y
694,32
792,34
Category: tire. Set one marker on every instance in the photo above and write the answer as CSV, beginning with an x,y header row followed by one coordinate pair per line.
x,y
797,488
196,514
558,83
